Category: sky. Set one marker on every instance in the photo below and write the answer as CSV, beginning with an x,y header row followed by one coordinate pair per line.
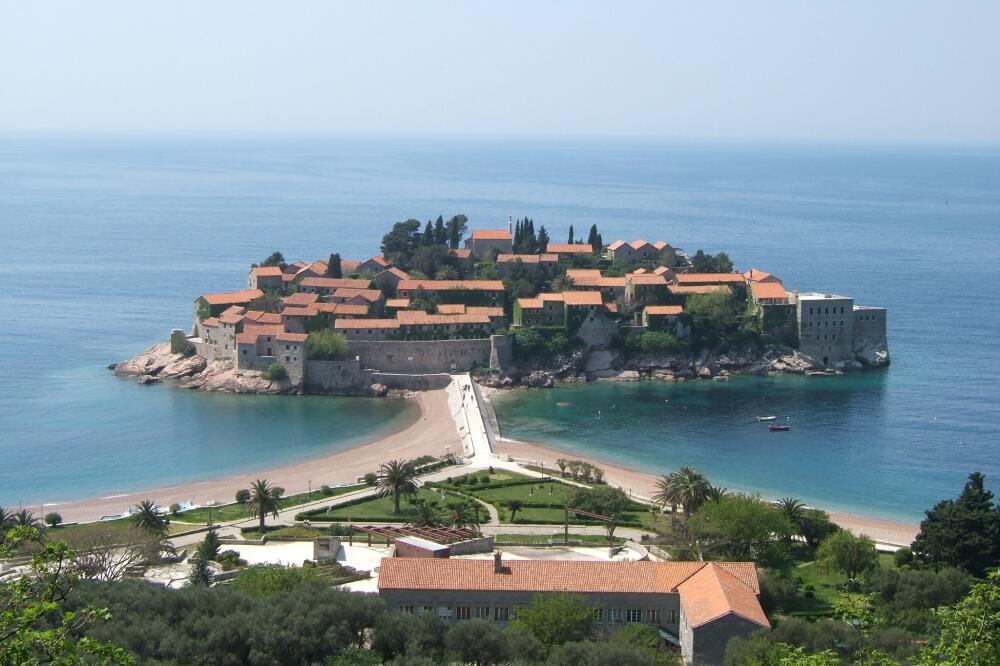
x,y
885,71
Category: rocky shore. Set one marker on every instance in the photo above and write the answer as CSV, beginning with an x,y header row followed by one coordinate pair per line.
x,y
613,365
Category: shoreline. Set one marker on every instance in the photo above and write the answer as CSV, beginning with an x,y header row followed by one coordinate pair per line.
x,y
431,433
642,484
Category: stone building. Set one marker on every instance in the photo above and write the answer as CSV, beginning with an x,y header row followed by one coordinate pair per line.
x,y
542,310
267,278
698,605
639,250
666,318
645,289
547,262
569,250
825,327
327,286
470,292
484,241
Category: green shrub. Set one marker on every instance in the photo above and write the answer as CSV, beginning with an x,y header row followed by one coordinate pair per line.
x,y
903,557
242,496
653,342
229,560
275,373
326,345
175,508
371,478
326,490
52,519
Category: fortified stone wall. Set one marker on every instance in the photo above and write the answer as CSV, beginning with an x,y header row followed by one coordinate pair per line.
x,y
411,382
337,377
423,356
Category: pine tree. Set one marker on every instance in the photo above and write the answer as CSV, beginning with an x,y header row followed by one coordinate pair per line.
x,y
333,268
428,238
516,245
200,572
570,241
210,545
440,234
543,239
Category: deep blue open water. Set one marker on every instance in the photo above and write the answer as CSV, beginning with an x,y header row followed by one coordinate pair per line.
x,y
107,241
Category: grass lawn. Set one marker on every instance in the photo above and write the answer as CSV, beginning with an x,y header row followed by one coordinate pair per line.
x,y
379,509
228,512
827,586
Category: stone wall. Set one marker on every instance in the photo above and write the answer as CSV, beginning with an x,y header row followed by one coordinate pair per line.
x,y
337,377
483,544
423,356
411,382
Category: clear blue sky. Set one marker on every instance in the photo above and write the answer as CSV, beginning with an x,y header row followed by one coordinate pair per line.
x,y
869,70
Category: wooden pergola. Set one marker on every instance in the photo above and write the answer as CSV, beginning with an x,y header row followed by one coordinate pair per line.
x,y
441,535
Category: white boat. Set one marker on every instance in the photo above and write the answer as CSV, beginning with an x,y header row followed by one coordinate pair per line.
x,y
766,418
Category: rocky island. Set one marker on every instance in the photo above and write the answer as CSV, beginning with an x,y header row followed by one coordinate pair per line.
x,y
513,308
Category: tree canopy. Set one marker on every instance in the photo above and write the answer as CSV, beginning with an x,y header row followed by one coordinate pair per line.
x,y
326,345
557,618
848,553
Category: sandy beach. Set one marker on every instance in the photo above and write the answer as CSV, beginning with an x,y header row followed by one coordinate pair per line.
x,y
431,434
881,531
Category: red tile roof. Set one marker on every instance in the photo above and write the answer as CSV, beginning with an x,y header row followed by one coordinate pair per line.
x,y
263,317
664,309
580,576
308,311
718,590
768,290
421,318
461,252
577,273
530,303
300,299
757,275
551,297
397,303
647,278
444,285
232,297
569,248
527,258
696,289
370,295
377,259
292,337
710,278
491,234
451,308
346,309
365,323
483,310
212,322
253,331
615,245
266,271
335,283
402,275
582,298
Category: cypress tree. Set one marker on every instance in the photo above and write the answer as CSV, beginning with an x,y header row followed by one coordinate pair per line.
x,y
592,236
428,238
440,234
570,234
543,239
333,268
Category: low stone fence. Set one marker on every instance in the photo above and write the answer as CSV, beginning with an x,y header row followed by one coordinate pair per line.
x,y
483,544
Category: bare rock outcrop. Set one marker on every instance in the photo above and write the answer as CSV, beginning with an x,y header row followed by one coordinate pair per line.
x,y
223,377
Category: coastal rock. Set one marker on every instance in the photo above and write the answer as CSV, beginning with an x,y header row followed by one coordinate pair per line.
x,y
496,381
148,379
221,376
704,372
185,366
539,379
599,360
112,366
872,353
159,361
627,376
379,390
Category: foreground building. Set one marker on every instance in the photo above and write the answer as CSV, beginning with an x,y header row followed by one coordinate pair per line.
x,y
835,332
698,605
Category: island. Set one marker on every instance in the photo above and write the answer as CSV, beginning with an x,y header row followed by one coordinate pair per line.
x,y
513,308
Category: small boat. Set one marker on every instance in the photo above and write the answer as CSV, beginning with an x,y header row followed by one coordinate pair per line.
x,y
766,418
774,427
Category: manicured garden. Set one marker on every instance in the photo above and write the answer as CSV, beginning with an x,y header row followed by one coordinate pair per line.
x,y
236,511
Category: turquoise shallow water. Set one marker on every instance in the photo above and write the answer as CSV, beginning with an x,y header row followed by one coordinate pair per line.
x,y
108,240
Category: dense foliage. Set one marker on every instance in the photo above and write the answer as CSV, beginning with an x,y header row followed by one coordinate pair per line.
x,y
326,345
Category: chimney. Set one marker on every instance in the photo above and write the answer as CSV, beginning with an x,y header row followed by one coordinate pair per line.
x,y
497,562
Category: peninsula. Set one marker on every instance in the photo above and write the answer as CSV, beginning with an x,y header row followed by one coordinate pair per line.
x,y
513,308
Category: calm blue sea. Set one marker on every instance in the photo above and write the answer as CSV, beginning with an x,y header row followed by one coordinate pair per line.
x,y
106,242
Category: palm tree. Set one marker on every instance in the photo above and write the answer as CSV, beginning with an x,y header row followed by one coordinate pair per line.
x,y
716,493
6,519
514,506
463,513
24,518
146,516
424,514
561,283
264,499
396,478
687,488
794,510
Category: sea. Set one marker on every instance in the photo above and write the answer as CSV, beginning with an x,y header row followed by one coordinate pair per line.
x,y
107,240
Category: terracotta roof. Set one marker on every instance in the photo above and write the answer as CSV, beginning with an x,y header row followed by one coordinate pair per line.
x,y
718,590
318,267
266,271
639,271
295,267
531,303
370,295
397,303
365,323
551,297
617,244
768,290
299,299
212,322
660,245
451,308
232,297
576,273
461,252
491,234
309,311
335,283
647,278
421,318
377,259
402,275
639,244
611,282
664,309
232,315
582,297
253,331
346,309
288,277
483,310
696,289
757,275
263,317
349,265
569,248
444,285
292,337
662,270
581,576
527,258
710,278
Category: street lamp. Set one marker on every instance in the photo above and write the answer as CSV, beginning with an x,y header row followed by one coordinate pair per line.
x,y
310,490
211,505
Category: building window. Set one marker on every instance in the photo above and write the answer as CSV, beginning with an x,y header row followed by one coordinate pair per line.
x,y
406,609
483,612
653,615
286,359
286,347
424,610
501,613
616,615
463,612
444,612
598,615
673,617
633,615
